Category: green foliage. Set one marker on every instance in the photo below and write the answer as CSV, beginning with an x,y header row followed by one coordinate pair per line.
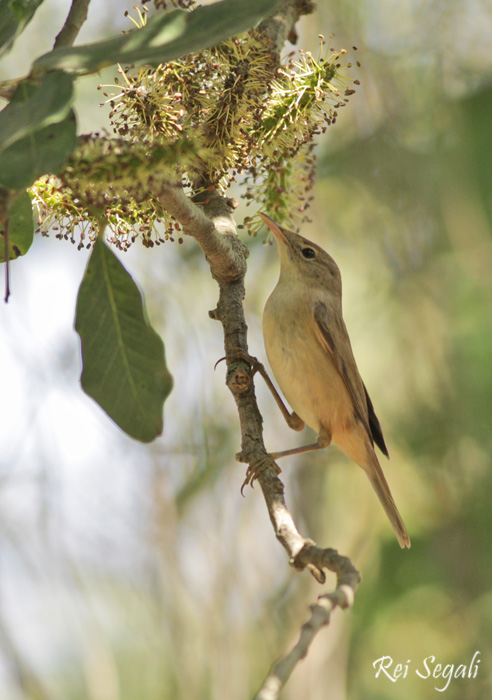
x,y
21,228
37,130
163,38
14,17
44,150
124,368
34,105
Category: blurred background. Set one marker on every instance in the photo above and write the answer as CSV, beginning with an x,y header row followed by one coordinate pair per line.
x,y
134,572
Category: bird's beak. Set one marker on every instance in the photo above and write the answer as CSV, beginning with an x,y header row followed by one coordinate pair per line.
x,y
277,230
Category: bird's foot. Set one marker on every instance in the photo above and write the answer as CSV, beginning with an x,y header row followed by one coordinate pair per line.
x,y
256,468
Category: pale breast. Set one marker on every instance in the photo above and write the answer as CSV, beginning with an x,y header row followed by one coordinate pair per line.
x,y
302,367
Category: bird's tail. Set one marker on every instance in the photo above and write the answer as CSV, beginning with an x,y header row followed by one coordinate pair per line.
x,y
380,486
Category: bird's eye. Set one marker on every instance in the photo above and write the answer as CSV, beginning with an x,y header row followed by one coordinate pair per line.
x,y
308,253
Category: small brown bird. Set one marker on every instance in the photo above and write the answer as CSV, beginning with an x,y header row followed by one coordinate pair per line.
x,y
309,350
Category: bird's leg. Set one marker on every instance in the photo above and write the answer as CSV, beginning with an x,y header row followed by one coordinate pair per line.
x,y
292,419
324,439
297,450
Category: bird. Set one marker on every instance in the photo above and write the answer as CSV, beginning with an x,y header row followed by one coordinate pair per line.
x,y
309,351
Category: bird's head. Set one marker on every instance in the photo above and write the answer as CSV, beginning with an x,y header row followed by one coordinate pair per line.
x,y
303,259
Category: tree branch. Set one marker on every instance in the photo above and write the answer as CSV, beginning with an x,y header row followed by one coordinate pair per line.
x,y
209,220
211,223
342,597
75,19
280,27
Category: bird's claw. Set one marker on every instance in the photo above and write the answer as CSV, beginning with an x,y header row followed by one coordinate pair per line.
x,y
256,468
240,354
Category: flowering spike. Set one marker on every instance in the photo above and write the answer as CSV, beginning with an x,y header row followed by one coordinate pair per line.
x,y
209,119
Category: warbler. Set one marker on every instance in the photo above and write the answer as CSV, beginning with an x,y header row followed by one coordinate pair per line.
x,y
309,351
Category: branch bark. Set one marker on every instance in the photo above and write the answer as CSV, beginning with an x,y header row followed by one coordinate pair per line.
x,y
75,19
281,26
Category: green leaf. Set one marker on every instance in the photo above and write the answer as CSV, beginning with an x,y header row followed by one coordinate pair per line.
x,y
37,130
124,368
44,151
164,38
14,17
35,105
21,228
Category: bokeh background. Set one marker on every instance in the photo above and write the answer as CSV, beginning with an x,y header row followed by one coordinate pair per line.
x,y
132,572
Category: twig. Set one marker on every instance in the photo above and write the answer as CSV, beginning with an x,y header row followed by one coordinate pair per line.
x,y
7,260
5,201
75,19
342,597
281,25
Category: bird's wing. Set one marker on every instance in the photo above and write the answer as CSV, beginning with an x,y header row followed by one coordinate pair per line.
x,y
375,425
335,339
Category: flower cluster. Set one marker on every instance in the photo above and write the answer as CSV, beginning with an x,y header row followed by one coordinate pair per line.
x,y
215,99
226,114
105,182
304,100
